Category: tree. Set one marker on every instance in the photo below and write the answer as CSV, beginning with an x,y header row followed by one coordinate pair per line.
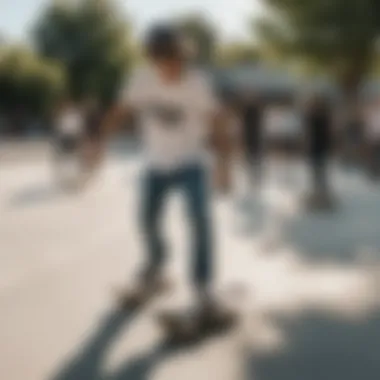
x,y
200,34
338,35
29,85
92,40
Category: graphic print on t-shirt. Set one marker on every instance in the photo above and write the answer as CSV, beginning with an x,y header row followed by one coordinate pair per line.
x,y
174,118
168,115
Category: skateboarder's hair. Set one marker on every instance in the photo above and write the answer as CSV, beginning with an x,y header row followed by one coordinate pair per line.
x,y
163,42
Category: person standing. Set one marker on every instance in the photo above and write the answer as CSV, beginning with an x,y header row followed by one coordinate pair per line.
x,y
94,139
178,113
251,112
68,141
282,139
318,120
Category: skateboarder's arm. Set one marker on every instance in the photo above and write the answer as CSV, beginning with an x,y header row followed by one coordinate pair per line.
x,y
220,136
131,97
238,143
222,147
116,118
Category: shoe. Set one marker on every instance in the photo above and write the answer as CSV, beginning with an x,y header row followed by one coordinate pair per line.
x,y
149,285
216,317
195,324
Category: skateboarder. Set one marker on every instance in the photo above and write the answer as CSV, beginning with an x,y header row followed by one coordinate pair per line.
x,y
177,110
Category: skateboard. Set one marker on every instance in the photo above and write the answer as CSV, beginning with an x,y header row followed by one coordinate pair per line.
x,y
137,297
190,326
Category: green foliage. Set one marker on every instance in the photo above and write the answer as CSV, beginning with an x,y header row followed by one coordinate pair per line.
x,y
27,82
338,35
92,40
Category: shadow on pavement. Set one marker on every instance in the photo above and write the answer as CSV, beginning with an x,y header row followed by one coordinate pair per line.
x,y
88,361
323,348
325,345
142,367
251,212
341,235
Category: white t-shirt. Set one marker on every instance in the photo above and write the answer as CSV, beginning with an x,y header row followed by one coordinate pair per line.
x,y
174,118
70,123
282,123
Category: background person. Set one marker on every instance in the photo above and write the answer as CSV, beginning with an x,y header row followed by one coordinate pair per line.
x,y
68,140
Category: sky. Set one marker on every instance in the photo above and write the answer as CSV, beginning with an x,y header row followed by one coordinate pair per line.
x,y
231,17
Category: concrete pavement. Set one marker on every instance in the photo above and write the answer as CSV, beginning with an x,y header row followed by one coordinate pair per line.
x,y
61,255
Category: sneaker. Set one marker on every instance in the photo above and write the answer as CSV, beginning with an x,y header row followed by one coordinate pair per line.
x,y
215,316
197,323
149,285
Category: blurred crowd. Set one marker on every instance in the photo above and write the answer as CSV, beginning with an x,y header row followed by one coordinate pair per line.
x,y
314,129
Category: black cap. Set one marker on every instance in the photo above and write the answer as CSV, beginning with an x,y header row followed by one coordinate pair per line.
x,y
163,41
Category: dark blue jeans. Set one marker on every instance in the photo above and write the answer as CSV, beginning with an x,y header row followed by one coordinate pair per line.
x,y
192,181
